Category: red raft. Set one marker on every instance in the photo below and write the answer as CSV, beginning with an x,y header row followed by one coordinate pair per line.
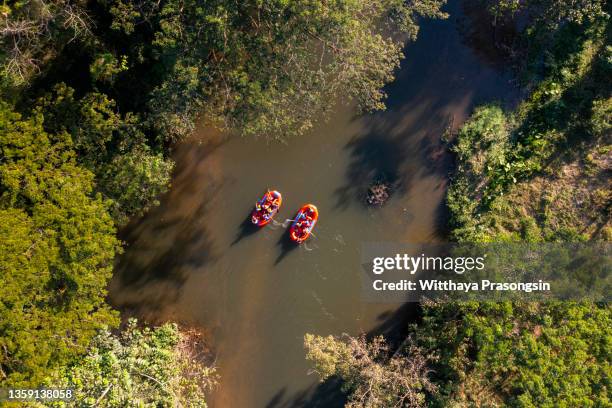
x,y
304,223
266,208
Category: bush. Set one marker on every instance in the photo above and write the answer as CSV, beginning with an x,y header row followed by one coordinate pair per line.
x,y
134,181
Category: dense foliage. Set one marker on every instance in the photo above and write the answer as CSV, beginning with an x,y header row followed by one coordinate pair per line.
x,y
549,13
263,67
111,145
128,79
57,246
270,67
158,367
541,173
520,354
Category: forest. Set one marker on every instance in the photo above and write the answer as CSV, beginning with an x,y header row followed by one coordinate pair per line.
x,y
96,94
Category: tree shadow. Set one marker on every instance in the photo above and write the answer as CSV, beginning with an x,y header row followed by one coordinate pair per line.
x,y
433,93
427,103
496,44
154,269
327,394
442,228
168,245
374,157
394,325
396,147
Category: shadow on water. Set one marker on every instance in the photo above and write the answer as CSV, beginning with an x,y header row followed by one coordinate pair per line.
x,y
496,44
286,246
322,395
156,273
246,229
426,102
399,145
256,315
442,229
393,325
375,157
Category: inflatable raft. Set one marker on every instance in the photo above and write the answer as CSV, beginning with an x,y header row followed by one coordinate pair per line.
x,y
303,223
266,208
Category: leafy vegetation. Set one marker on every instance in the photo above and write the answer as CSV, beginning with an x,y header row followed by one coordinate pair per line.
x,y
128,79
112,146
519,354
266,68
159,367
542,173
549,14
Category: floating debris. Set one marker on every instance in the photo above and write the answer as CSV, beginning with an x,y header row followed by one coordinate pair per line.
x,y
378,193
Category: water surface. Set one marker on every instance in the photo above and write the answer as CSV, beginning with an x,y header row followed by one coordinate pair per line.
x,y
255,295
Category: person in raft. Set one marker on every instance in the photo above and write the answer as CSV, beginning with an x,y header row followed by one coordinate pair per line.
x,y
304,225
271,203
268,207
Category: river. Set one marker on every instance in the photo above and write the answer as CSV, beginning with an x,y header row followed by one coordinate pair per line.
x,y
192,260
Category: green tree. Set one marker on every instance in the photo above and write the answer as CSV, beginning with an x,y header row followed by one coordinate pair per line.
x,y
97,129
267,68
57,245
141,367
518,179
540,173
552,13
519,354
135,180
110,145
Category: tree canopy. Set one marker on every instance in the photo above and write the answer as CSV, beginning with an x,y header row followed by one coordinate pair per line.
x,y
519,354
93,96
271,68
57,246
262,67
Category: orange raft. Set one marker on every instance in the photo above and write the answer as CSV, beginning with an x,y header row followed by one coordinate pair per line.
x,y
266,208
304,223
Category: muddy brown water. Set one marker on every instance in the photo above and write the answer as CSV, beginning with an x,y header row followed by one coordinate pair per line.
x,y
194,260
